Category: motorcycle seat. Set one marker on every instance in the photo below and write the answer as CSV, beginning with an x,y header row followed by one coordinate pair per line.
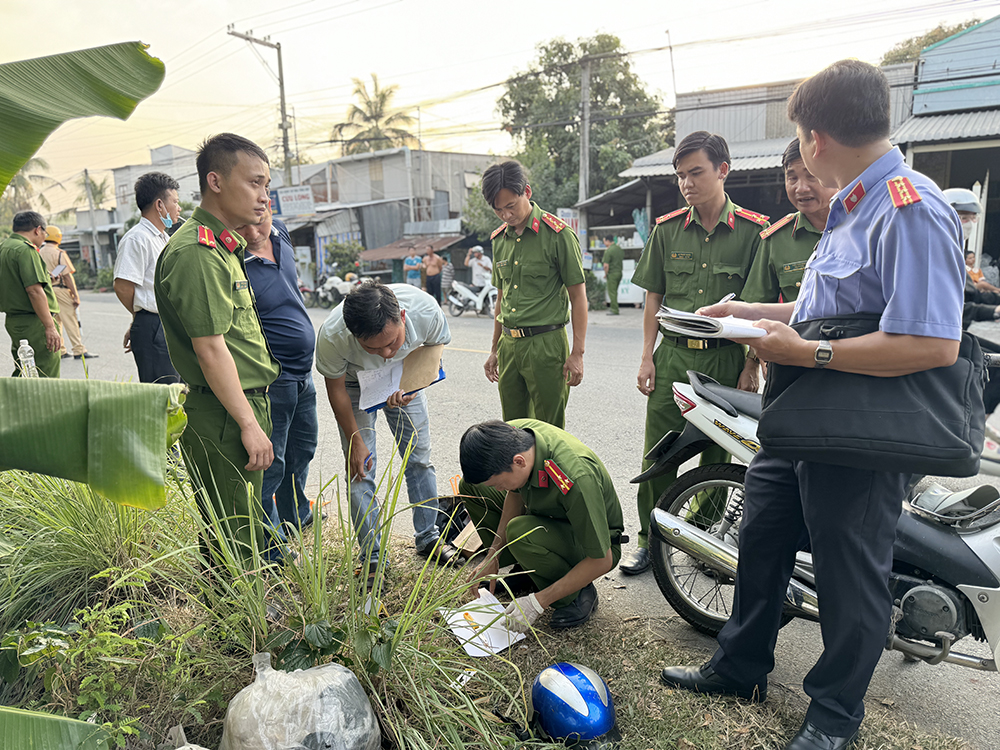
x,y
742,402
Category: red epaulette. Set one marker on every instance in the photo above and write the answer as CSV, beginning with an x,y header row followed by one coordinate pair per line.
x,y
498,230
672,215
902,192
228,241
776,226
554,222
205,237
562,481
753,216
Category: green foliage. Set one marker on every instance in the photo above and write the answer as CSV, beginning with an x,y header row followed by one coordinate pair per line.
x,y
373,125
100,192
344,254
105,278
478,217
596,290
909,50
541,107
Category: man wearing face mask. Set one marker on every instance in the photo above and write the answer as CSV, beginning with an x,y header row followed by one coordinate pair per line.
x,y
138,251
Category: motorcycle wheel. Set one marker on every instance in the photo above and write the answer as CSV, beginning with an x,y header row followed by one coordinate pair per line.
x,y
309,299
701,596
454,309
324,301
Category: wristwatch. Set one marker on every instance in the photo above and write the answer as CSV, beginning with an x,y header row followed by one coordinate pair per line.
x,y
823,355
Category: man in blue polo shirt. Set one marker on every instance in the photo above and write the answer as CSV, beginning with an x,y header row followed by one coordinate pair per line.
x,y
270,263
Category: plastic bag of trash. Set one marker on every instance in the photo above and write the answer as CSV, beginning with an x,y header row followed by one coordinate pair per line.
x,y
322,708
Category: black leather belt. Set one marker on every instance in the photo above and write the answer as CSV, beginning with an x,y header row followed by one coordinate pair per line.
x,y
621,539
686,343
523,333
248,391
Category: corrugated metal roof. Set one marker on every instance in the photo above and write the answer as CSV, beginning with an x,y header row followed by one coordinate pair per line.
x,y
401,248
746,157
957,126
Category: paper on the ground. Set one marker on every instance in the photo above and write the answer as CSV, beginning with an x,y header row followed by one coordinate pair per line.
x,y
378,385
481,626
703,327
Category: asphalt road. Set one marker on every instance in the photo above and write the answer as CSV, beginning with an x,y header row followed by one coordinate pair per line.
x,y
607,413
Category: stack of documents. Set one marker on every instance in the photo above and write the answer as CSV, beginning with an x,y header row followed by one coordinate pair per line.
x,y
702,327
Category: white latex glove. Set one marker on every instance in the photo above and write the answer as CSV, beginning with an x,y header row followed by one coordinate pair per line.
x,y
522,613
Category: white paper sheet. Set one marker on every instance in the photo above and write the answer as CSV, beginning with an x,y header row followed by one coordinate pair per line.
x,y
702,327
378,385
481,626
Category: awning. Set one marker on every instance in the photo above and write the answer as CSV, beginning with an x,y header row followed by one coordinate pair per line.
x,y
747,156
401,248
957,126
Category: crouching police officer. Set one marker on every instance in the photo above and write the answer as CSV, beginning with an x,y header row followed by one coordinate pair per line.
x,y
543,500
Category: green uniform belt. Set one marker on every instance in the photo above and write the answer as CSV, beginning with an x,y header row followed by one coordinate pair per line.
x,y
248,391
686,343
523,333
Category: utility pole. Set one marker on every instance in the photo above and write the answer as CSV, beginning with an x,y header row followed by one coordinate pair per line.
x,y
93,221
584,128
266,42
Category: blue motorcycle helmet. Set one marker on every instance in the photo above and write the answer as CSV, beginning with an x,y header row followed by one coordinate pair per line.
x,y
571,703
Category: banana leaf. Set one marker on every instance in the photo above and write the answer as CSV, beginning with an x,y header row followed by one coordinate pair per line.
x,y
113,436
41,731
39,95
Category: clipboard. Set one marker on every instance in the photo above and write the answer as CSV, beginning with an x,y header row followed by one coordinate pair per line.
x,y
58,271
419,369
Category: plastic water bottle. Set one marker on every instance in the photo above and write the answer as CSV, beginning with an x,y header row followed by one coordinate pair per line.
x,y
26,356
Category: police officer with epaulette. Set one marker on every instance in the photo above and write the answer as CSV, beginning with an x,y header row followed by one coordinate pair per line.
x,y
890,235
695,256
216,342
776,274
538,272
543,500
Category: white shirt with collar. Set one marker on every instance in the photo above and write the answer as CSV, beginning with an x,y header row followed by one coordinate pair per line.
x,y
137,254
339,353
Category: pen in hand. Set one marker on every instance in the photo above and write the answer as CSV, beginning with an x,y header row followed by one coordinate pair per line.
x,y
727,298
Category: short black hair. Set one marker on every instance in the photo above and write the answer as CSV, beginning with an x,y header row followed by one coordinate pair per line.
x,y
507,174
26,221
488,449
714,146
219,154
792,154
369,308
849,101
153,186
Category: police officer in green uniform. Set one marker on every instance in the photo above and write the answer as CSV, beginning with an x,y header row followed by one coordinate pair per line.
x,y
538,271
612,261
215,339
777,270
542,499
26,295
694,257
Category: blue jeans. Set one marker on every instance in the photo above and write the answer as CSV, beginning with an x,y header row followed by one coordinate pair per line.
x,y
294,437
408,422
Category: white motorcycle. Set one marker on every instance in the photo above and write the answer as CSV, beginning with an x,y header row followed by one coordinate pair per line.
x,y
463,297
946,571
331,291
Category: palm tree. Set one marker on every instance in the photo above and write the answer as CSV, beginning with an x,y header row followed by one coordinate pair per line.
x,y
21,194
99,191
371,124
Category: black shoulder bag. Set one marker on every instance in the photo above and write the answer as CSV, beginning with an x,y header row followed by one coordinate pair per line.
x,y
929,422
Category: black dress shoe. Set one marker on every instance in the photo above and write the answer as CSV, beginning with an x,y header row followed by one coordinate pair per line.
x,y
809,737
441,552
637,562
703,679
519,583
86,355
577,613
65,355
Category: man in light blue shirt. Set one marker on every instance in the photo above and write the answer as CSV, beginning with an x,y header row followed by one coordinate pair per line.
x,y
412,263
892,247
375,326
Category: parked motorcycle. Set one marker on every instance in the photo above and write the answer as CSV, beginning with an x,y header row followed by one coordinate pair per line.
x,y
463,297
331,290
945,580
308,295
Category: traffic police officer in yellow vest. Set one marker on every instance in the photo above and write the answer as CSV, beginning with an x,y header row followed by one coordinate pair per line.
x,y
215,340
777,270
538,272
694,257
542,499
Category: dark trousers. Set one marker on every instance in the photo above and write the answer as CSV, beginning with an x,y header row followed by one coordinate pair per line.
x,y
434,287
848,517
149,348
